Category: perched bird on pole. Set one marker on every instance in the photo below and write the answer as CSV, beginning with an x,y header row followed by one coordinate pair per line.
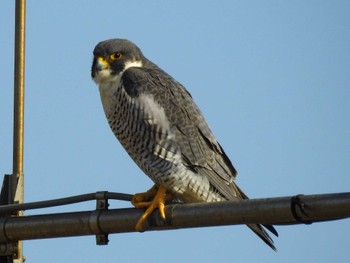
x,y
156,120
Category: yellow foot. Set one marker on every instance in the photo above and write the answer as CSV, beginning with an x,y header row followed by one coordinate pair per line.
x,y
152,199
142,200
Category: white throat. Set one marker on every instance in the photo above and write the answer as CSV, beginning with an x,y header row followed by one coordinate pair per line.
x,y
108,84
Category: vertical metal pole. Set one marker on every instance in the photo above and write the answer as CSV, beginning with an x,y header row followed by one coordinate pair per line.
x,y
18,131
19,88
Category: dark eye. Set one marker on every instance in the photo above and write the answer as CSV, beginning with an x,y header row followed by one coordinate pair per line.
x,y
116,56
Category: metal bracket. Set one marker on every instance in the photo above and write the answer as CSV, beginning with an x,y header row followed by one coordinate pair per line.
x,y
296,201
101,204
8,189
8,249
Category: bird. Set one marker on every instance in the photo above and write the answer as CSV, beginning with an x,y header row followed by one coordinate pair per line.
x,y
162,129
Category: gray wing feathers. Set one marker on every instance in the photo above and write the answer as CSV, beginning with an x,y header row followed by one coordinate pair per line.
x,y
194,139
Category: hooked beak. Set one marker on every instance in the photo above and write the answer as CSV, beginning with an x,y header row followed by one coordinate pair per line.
x,y
99,64
102,63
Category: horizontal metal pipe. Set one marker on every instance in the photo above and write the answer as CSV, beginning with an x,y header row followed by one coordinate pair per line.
x,y
315,208
275,211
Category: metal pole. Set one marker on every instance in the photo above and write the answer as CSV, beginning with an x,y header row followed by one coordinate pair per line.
x,y
19,88
16,181
310,208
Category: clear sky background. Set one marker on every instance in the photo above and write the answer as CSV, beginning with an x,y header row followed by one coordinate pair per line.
x,y
271,77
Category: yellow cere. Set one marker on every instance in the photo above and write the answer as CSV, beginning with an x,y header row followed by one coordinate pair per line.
x,y
102,60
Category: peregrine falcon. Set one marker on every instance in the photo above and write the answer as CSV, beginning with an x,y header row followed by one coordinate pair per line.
x,y
156,120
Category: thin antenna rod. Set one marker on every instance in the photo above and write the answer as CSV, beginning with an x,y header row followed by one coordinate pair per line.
x,y
17,182
19,88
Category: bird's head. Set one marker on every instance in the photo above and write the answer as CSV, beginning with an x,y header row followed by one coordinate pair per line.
x,y
112,57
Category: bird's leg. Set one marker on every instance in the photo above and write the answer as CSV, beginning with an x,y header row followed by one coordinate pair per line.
x,y
141,200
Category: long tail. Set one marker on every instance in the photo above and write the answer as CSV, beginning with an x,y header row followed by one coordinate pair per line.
x,y
259,230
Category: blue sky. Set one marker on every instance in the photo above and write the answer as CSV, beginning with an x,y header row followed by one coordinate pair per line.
x,y
271,77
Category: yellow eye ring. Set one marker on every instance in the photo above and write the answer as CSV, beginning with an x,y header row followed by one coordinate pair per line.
x,y
116,56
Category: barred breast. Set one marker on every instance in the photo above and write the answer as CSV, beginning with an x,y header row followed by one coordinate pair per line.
x,y
143,129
